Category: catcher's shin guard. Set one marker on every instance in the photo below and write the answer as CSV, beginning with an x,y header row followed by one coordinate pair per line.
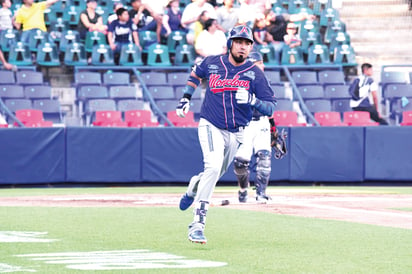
x,y
263,168
241,170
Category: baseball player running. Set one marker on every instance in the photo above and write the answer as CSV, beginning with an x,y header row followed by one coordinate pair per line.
x,y
234,87
259,137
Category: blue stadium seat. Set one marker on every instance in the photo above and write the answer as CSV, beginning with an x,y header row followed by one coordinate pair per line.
x,y
8,38
130,104
116,79
130,55
82,78
94,105
292,56
47,55
166,105
90,92
17,104
26,78
341,105
273,76
154,78
122,92
331,77
185,55
312,92
38,92
318,105
37,38
20,55
146,39
68,37
175,39
158,55
268,54
102,55
337,92
393,77
11,91
177,78
306,77
94,38
162,92
318,54
51,109
75,55
327,16
284,104
7,77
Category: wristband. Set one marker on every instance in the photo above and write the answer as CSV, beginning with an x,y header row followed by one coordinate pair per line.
x,y
194,80
188,91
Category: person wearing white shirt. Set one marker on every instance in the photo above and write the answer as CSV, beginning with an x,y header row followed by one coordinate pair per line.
x,y
191,14
211,41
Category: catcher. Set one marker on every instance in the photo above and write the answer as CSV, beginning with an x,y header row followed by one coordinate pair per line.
x,y
260,136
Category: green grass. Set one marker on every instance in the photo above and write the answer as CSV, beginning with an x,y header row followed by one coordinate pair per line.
x,y
249,242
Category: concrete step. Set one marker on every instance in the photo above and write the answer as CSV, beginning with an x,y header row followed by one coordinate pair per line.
x,y
389,24
402,37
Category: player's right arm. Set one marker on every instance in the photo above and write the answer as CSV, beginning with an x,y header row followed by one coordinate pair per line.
x,y
184,103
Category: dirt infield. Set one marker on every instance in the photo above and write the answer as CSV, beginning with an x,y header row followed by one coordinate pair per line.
x,y
375,209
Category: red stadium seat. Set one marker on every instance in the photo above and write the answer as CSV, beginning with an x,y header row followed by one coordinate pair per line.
x,y
329,118
287,118
406,118
188,121
32,118
139,118
109,118
358,118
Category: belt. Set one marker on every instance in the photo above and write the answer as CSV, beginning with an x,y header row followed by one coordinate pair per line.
x,y
234,130
256,118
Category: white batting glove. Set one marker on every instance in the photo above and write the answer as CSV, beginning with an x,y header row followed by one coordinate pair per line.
x,y
183,107
244,97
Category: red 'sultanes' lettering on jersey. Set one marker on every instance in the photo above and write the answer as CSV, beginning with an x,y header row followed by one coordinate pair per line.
x,y
216,85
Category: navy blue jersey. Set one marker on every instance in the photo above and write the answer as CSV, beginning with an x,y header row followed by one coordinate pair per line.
x,y
122,31
223,80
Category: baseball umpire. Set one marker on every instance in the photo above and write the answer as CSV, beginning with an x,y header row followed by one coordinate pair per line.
x,y
234,87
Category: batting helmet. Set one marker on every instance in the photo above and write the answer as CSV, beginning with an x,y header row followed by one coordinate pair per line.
x,y
241,31
255,56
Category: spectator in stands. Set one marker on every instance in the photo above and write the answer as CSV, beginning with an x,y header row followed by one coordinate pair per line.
x,y
143,16
260,34
200,24
364,94
277,27
211,40
227,16
90,20
113,16
191,14
122,31
292,39
157,9
248,12
30,16
6,17
5,64
172,19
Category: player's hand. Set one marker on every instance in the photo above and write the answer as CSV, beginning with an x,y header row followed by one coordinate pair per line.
x,y
244,97
183,107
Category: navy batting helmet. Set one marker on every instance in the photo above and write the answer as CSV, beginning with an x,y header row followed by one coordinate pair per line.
x,y
255,56
241,31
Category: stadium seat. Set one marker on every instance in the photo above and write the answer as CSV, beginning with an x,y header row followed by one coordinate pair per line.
x,y
94,38
339,38
122,92
116,79
280,92
57,28
82,78
109,118
185,55
154,78
11,91
32,118
90,92
318,105
167,105
306,77
177,78
292,56
331,77
406,118
146,39
311,38
162,92
20,55
393,77
130,104
337,92
47,55
287,119
102,55
318,54
7,77
94,105
268,54
8,38
341,105
327,16
37,38
26,78
130,55
312,92
38,92
175,39
345,55
179,90
139,118
332,28
358,118
158,55
15,104
320,5
329,118
187,121
273,76
284,104
75,55
51,109
68,37
71,14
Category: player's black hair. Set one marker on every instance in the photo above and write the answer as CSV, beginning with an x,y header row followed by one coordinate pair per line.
x,y
120,11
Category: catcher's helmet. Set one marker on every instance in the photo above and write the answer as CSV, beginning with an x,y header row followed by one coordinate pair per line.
x,y
255,56
241,31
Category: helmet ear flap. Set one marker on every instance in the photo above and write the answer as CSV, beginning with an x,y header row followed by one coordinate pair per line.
x,y
229,44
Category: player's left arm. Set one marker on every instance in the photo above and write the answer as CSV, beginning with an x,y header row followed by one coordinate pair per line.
x,y
265,101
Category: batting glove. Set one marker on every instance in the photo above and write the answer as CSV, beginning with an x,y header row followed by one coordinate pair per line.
x,y
244,97
183,107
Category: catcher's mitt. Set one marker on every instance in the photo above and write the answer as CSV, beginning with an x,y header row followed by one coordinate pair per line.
x,y
278,143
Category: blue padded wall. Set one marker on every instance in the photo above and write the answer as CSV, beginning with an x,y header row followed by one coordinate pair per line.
x,y
32,155
101,154
170,154
327,154
388,153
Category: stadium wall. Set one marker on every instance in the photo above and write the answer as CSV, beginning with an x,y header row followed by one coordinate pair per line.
x,y
124,155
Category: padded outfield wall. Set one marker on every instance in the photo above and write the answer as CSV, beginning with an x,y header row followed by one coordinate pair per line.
x,y
125,155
